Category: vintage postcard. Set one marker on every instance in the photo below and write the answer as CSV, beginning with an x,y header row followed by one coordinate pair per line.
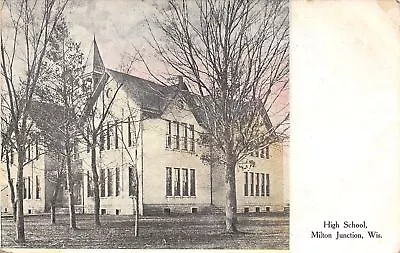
x,y
145,124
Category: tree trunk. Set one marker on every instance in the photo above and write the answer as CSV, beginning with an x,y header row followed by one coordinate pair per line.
x,y
137,214
231,203
136,188
20,228
54,200
70,183
53,213
95,185
14,211
11,185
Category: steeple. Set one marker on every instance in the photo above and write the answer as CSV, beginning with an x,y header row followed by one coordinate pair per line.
x,y
94,63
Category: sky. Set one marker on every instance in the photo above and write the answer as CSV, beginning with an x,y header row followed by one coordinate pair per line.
x,y
119,26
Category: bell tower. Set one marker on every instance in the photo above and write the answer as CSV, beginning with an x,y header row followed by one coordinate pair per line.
x,y
94,68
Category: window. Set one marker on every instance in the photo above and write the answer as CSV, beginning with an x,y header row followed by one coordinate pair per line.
x,y
177,182
257,184
168,142
180,136
117,181
185,136
109,182
108,135
267,185
262,184
103,211
129,132
168,181
180,182
191,134
113,134
251,184
89,185
132,182
116,134
33,152
29,188
25,188
12,156
267,152
257,209
37,149
176,134
132,133
192,182
185,182
262,153
246,184
102,138
102,183
117,211
37,188
28,153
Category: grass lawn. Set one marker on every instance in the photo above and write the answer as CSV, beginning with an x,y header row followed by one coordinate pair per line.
x,y
261,231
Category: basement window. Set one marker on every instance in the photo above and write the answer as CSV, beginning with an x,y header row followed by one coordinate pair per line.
x,y
267,209
167,211
194,210
117,211
246,210
257,209
29,211
103,211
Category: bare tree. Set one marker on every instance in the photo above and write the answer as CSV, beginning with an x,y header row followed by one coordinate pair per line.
x,y
130,146
23,43
234,55
7,147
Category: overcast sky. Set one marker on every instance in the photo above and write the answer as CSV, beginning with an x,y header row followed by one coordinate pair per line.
x,y
119,26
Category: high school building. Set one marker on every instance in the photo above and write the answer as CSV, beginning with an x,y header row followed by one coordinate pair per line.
x,y
150,140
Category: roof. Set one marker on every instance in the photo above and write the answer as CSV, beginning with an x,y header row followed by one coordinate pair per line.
x,y
94,63
150,96
199,106
154,98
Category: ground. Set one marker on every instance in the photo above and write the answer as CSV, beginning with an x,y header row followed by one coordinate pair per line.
x,y
258,231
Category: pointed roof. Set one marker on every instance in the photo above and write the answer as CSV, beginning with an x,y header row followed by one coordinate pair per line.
x,y
94,62
150,96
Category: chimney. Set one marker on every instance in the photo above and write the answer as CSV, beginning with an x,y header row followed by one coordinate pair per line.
x,y
181,84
